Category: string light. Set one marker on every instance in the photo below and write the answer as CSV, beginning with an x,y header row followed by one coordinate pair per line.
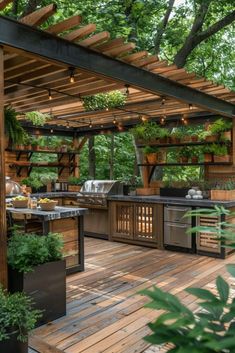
x,y
184,120
190,106
52,131
163,100
101,125
114,121
144,118
90,124
49,94
107,109
162,120
71,77
67,125
127,89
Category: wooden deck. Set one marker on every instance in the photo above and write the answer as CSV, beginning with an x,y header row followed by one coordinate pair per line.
x,y
104,313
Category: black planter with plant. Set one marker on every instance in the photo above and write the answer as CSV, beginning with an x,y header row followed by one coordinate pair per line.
x,y
36,267
17,318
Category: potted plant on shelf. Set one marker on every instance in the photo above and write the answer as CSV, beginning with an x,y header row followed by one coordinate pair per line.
x,y
146,133
208,136
194,137
222,128
34,144
38,118
176,135
220,153
163,135
17,318
34,184
195,153
223,190
208,153
27,143
150,154
185,154
36,267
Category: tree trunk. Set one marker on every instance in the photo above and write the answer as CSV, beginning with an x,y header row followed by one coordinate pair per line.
x,y
163,25
111,161
92,157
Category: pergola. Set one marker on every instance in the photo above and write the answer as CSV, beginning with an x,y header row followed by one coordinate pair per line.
x,y
36,64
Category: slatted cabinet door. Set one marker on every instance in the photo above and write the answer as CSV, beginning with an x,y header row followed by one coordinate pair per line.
x,y
145,222
122,220
207,241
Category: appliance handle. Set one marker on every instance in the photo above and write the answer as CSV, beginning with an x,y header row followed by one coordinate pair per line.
x,y
177,225
170,208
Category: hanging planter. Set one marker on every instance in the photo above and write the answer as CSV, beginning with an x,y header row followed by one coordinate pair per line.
x,y
102,101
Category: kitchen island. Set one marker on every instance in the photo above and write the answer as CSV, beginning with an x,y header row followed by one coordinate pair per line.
x,y
158,221
65,220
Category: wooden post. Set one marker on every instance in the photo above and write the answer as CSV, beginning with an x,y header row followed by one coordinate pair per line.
x,y
3,226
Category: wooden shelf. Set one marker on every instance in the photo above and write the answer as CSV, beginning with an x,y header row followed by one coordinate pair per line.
x,y
182,164
20,165
41,151
181,144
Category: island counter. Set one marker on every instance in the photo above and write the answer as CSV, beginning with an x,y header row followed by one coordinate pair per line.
x,y
157,221
65,220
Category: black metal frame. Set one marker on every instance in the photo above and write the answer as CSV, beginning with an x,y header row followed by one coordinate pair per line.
x,y
43,44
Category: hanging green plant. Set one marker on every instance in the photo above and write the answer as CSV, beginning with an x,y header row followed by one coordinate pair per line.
x,y
37,118
104,101
13,129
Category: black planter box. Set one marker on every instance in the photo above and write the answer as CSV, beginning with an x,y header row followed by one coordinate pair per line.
x,y
174,192
41,189
13,346
47,287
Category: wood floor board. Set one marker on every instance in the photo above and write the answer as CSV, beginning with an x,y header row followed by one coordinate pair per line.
x,y
104,312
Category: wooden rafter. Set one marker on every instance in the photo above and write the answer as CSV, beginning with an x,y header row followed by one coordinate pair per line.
x,y
65,25
38,17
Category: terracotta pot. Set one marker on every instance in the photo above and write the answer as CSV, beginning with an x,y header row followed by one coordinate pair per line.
x,y
208,157
194,138
184,159
186,139
175,139
211,138
194,159
163,140
35,148
226,135
222,159
151,158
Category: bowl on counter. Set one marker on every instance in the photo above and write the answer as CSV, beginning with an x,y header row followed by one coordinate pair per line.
x,y
47,204
20,202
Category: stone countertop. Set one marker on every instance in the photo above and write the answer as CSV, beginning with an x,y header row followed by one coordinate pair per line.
x,y
52,194
58,213
171,200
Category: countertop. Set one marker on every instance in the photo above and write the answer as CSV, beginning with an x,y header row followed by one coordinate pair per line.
x,y
172,200
58,213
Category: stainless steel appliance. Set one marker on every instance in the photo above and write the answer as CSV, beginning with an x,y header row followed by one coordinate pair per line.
x,y
175,227
94,195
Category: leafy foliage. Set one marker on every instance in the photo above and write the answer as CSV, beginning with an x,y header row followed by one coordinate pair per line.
x,y
26,251
37,118
104,101
13,128
212,328
16,315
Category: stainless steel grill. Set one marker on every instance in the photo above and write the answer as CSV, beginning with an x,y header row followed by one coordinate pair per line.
x,y
96,192
93,195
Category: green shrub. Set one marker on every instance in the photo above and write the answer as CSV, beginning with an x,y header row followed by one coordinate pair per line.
x,y
13,128
220,125
17,315
146,131
27,250
219,150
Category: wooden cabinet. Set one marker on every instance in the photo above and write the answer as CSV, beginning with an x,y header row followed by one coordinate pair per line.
x,y
137,223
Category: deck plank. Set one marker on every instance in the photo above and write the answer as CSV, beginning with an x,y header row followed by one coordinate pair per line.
x,y
104,313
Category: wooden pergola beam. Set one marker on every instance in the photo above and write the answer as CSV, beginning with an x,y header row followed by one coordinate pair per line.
x,y
43,44
3,226
36,18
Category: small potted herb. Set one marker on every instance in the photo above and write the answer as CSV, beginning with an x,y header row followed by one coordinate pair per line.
x,y
17,318
151,154
163,135
223,190
146,132
35,184
194,137
195,154
220,153
222,128
176,135
208,136
75,184
185,154
30,257
34,144
208,153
